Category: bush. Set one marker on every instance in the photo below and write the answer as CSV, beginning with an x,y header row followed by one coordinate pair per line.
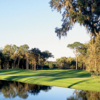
x,y
51,66
72,67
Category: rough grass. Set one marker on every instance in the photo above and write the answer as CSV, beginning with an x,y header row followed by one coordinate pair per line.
x,y
77,79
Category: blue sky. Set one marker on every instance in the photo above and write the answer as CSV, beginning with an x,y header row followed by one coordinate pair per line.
x,y
33,22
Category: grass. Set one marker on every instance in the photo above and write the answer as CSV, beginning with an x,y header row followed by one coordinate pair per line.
x,y
51,73
77,79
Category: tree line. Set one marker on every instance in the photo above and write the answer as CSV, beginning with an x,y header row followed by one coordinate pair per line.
x,y
88,54
12,56
62,63
86,13
87,57
65,63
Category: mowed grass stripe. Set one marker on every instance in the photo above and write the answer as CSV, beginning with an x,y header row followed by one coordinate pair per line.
x,y
55,73
81,81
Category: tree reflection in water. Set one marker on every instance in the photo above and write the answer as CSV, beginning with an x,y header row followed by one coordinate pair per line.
x,y
12,89
84,95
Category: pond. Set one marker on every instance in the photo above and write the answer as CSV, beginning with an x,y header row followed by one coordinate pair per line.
x,y
10,90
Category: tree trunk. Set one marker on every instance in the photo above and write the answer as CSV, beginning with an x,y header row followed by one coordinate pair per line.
x,y
22,67
0,63
37,66
34,66
8,65
42,66
12,65
76,62
3,65
18,62
27,66
83,66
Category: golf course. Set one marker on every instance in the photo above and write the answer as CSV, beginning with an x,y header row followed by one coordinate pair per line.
x,y
70,78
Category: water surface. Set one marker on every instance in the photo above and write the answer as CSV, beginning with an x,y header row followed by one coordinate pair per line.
x,y
10,90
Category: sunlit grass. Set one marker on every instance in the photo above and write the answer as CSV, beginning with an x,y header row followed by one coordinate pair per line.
x,y
52,73
77,79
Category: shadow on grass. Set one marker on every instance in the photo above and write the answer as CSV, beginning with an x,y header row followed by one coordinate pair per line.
x,y
25,77
66,73
52,73
45,81
13,71
78,83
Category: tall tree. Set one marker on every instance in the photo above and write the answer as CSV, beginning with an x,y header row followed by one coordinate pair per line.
x,y
62,62
19,54
44,56
24,48
83,56
93,59
76,46
85,12
14,55
36,56
32,60
7,52
1,56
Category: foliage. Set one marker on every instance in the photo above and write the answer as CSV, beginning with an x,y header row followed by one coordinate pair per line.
x,y
12,56
77,47
65,63
72,67
93,51
51,64
85,12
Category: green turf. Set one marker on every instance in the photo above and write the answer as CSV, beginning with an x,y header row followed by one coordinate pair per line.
x,y
53,73
77,79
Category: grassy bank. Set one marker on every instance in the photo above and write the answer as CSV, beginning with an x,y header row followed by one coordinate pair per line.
x,y
77,79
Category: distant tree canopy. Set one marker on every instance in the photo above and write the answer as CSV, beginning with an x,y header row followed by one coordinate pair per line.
x,y
85,12
12,56
66,63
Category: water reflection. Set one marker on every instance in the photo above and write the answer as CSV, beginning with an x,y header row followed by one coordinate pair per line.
x,y
11,89
84,95
19,90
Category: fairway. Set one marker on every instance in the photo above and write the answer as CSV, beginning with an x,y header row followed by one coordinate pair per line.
x,y
77,79
53,73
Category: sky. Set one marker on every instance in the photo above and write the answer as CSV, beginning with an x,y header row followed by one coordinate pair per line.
x,y
33,22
